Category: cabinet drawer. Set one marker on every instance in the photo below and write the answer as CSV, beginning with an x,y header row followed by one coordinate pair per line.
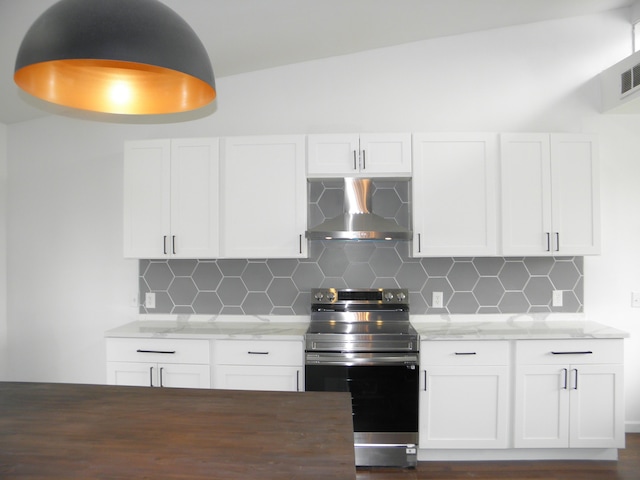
x,y
487,352
258,352
555,352
158,350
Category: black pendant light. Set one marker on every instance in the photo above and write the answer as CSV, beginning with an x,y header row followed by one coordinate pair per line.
x,y
115,56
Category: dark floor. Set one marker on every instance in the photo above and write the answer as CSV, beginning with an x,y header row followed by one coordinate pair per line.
x,y
626,468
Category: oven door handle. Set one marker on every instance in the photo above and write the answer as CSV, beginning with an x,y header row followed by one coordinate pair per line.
x,y
341,360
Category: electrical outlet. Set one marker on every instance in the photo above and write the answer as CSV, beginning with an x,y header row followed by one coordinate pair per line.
x,y
556,300
635,299
437,300
150,300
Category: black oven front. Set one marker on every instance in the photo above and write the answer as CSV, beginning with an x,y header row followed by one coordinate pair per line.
x,y
384,391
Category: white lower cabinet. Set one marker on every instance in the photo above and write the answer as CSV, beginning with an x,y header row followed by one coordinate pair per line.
x,y
464,396
569,394
158,362
276,365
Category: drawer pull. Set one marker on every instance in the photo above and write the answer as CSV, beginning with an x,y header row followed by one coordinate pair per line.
x,y
566,372
587,352
257,353
465,353
166,352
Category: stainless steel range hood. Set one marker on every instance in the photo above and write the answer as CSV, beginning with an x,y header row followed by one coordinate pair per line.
x,y
358,222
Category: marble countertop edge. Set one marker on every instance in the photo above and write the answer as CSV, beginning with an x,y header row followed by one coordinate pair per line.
x,y
429,327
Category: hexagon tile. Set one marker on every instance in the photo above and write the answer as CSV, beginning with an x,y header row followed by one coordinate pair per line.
x,y
282,286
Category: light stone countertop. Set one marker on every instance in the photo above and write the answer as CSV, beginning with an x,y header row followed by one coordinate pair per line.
x,y
218,327
512,327
429,327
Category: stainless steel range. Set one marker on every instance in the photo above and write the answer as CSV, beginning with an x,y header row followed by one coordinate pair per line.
x,y
361,341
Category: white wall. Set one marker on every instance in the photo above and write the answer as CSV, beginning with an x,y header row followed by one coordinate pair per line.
x,y
4,355
68,281
611,277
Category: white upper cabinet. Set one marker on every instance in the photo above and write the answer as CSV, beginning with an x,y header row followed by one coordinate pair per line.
x,y
366,155
454,194
550,194
263,197
171,198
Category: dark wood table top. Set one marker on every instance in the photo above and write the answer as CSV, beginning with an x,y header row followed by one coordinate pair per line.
x,y
111,432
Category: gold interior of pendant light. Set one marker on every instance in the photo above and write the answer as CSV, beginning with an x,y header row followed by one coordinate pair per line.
x,y
114,87
118,56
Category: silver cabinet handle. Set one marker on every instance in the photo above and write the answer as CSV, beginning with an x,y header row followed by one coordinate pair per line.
x,y
548,242
173,244
297,380
300,240
557,241
355,163
465,353
566,374
419,243
364,160
257,353
151,376
575,382
164,244
425,381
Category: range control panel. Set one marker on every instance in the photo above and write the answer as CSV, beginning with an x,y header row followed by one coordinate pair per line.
x,y
360,296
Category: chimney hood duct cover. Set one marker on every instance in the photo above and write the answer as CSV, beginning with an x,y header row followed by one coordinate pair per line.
x,y
358,222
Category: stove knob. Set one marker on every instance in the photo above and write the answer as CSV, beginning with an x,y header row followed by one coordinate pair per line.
x,y
331,296
319,296
388,296
401,296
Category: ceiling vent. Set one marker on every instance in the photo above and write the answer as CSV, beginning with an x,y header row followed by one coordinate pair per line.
x,y
630,79
619,83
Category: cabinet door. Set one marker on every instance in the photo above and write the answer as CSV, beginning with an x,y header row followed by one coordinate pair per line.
x,y
136,374
541,406
147,180
264,197
454,194
385,154
464,407
183,376
247,377
550,194
335,155
597,406
526,194
194,198
575,194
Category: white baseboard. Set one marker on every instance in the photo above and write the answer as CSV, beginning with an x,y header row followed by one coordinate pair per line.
x,y
519,454
632,427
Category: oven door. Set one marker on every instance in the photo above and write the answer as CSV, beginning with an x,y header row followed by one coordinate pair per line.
x,y
383,386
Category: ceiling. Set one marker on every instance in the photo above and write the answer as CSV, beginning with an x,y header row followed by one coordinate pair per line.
x,y
248,35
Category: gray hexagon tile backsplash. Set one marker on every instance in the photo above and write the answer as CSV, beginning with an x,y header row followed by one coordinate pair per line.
x,y
282,286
